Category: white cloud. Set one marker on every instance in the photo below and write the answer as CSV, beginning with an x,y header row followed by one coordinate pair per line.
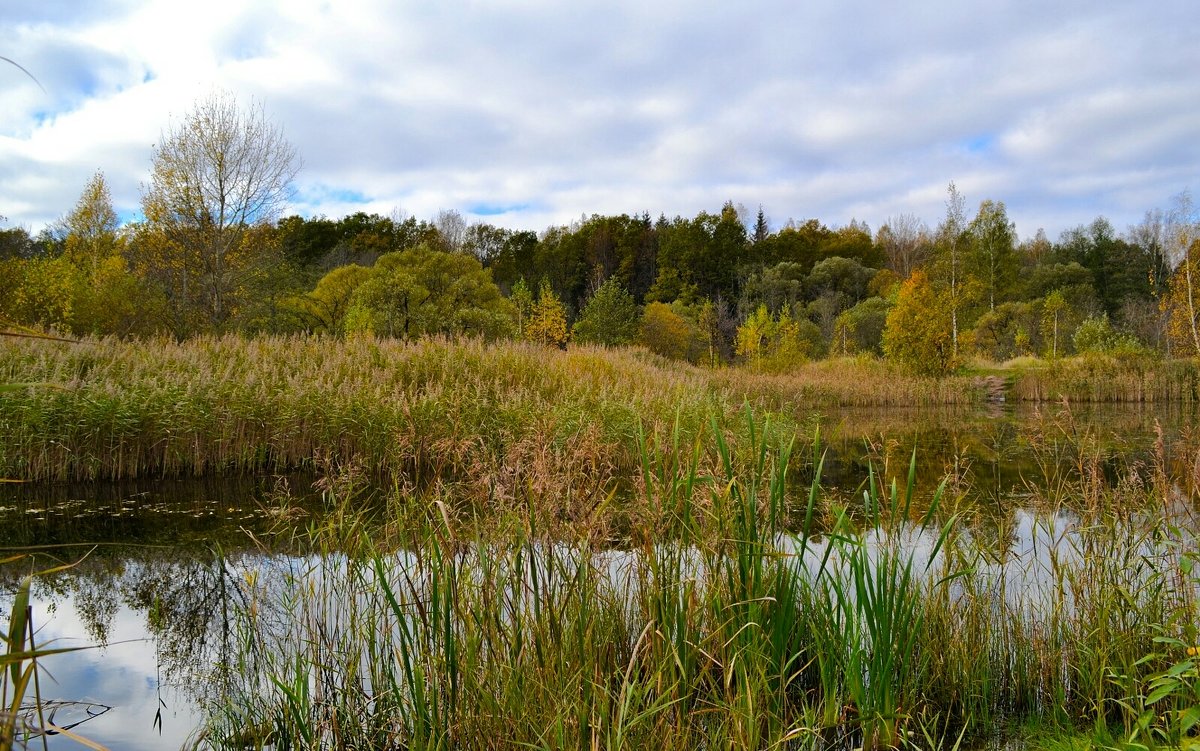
x,y
826,109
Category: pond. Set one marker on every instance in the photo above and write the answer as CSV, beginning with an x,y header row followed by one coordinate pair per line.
x,y
162,570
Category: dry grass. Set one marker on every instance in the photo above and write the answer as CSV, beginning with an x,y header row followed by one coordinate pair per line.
x,y
502,417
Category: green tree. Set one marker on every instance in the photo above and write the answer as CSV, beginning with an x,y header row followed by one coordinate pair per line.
x,y
610,317
1097,336
325,307
919,335
860,329
993,245
422,291
1004,333
949,252
522,298
1052,314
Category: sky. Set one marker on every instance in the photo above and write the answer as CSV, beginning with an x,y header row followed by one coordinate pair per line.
x,y
529,113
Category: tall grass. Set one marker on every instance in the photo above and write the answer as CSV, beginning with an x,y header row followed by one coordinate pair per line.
x,y
1099,378
504,415
740,613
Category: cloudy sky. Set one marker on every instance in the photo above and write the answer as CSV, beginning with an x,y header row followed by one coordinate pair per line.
x,y
528,113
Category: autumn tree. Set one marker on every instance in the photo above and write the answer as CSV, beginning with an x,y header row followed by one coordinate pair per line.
x,y
665,331
919,335
547,319
1182,300
109,298
775,344
214,175
91,226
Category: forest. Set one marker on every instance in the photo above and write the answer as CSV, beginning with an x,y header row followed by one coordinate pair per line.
x,y
716,288
214,252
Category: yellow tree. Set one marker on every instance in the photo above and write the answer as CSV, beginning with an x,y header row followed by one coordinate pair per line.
x,y
1182,300
91,227
548,319
919,333
754,336
1182,303
665,332
108,297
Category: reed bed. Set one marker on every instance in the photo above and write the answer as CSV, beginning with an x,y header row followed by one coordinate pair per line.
x,y
503,416
1099,379
739,613
845,382
436,409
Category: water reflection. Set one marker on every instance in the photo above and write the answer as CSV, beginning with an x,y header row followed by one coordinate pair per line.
x,y
168,571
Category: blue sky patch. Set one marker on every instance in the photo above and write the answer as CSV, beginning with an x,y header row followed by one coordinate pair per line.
x,y
318,194
980,144
496,209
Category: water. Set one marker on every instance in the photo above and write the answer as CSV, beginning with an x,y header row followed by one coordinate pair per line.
x,y
157,563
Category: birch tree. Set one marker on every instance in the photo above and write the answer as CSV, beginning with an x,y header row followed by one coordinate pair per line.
x,y
215,174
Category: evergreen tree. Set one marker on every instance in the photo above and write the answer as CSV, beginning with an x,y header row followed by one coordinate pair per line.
x,y
609,318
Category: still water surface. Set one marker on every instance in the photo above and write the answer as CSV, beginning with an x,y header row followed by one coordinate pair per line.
x,y
161,561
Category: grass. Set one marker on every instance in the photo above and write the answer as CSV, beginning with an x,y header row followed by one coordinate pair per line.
x,y
505,415
601,549
738,614
1099,379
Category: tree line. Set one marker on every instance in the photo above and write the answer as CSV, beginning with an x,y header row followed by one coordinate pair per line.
x,y
213,254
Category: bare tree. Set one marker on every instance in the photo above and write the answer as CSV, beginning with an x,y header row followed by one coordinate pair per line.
x,y
952,230
905,239
452,227
216,174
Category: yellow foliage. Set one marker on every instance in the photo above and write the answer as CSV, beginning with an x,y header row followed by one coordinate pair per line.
x,y
1182,301
547,320
918,335
666,333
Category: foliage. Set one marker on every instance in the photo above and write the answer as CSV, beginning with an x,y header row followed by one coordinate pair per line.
x,y
422,291
918,334
610,317
775,344
522,299
1008,331
993,249
547,323
214,176
1182,304
860,329
1097,336
326,306
666,332
1052,314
